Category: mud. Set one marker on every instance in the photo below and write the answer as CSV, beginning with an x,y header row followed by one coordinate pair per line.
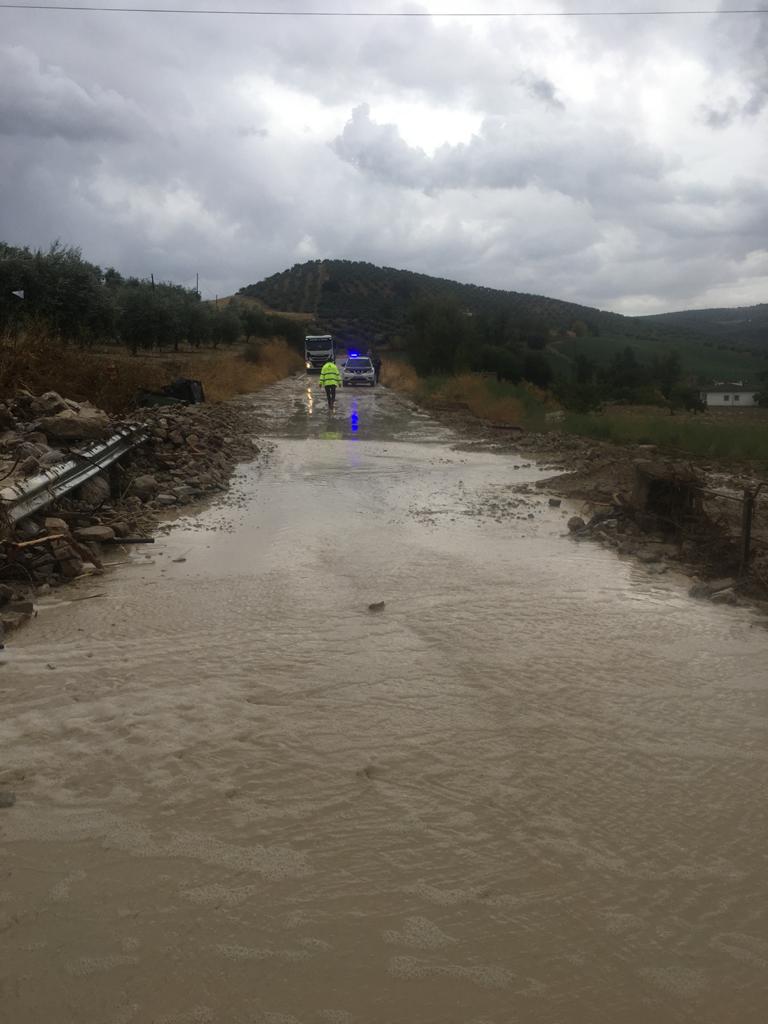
x,y
530,788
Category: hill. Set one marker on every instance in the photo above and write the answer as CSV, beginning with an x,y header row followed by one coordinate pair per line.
x,y
348,297
742,326
363,303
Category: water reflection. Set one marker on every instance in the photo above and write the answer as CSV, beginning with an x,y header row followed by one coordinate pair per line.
x,y
354,421
310,399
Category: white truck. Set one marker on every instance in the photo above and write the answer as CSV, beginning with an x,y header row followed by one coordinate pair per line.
x,y
318,349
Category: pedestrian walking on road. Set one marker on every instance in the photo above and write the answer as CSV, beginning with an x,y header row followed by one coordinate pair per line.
x,y
377,366
330,379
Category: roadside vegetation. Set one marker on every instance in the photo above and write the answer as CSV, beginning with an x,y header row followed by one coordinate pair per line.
x,y
68,325
505,372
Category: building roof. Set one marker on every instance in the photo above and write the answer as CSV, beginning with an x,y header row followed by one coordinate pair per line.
x,y
730,389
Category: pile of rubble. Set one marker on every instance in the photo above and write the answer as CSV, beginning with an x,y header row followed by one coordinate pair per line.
x,y
190,453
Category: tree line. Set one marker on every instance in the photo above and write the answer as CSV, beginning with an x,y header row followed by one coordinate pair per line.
x,y
79,303
443,338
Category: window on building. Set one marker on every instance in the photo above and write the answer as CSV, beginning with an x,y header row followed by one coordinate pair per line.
x,y
736,398
726,397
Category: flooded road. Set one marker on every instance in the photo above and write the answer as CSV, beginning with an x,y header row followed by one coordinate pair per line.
x,y
530,789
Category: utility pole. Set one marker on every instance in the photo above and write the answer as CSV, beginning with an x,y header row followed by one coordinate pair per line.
x,y
152,279
197,285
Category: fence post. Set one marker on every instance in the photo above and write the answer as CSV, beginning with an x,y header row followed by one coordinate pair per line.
x,y
747,512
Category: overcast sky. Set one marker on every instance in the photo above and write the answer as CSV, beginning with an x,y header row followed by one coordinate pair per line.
x,y
619,162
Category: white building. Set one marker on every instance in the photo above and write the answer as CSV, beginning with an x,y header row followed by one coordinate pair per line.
x,y
729,394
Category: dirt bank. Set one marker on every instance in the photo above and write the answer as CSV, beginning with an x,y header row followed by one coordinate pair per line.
x,y
190,453
602,476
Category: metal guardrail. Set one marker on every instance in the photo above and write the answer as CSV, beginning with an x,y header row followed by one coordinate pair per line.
x,y
23,499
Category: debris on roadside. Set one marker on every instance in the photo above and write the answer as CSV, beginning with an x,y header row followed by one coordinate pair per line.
x,y
190,455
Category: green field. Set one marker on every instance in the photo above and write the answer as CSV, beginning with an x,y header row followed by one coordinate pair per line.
x,y
703,361
740,436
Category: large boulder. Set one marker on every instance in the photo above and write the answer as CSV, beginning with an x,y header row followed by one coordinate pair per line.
x,y
90,424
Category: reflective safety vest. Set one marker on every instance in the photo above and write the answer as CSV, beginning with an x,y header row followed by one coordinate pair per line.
x,y
330,375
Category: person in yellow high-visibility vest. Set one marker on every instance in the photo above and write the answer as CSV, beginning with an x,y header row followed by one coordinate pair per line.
x,y
330,379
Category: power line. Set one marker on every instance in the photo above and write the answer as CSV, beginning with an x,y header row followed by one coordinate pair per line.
x,y
377,14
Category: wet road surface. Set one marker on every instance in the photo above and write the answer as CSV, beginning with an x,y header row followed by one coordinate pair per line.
x,y
531,789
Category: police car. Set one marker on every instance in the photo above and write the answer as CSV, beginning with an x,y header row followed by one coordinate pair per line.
x,y
358,370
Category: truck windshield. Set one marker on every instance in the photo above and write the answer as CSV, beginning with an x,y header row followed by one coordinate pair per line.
x,y
319,345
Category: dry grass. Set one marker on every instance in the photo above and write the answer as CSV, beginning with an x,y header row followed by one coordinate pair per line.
x,y
480,394
401,377
111,378
477,394
226,374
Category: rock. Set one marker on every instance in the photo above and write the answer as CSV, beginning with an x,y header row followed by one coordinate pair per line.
x,y
177,438
24,607
7,420
51,458
183,491
576,523
727,596
30,450
6,594
28,529
89,423
95,533
94,492
193,440
29,466
53,403
710,588
11,620
377,606
55,525
121,529
554,503
648,555
166,499
144,486
70,563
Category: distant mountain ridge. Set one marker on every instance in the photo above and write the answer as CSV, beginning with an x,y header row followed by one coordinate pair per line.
x,y
741,325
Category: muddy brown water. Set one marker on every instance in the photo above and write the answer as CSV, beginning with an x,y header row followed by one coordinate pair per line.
x,y
531,789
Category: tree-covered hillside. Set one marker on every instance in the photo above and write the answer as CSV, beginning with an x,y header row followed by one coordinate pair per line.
x,y
360,298
742,326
